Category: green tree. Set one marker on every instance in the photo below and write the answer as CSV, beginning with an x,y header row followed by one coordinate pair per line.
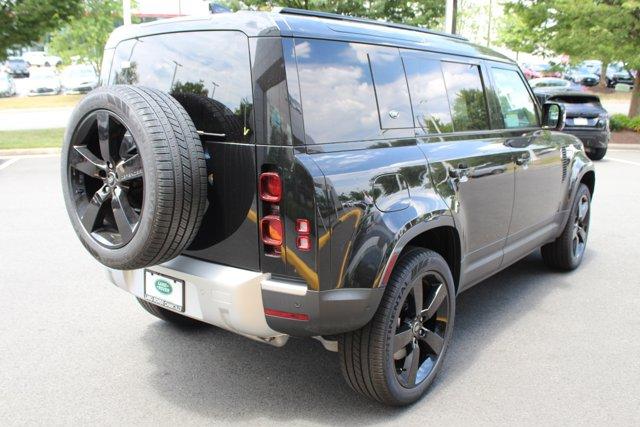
x,y
23,22
86,34
427,13
608,30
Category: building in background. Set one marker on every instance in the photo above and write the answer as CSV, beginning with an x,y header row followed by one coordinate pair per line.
x,y
150,10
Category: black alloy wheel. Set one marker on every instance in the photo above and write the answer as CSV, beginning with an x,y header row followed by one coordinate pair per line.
x,y
566,252
420,329
106,179
396,356
581,227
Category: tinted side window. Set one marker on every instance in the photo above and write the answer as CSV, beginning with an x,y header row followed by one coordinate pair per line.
x,y
391,88
466,96
338,98
428,93
516,105
208,72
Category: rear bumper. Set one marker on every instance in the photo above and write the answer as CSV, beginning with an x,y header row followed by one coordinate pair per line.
x,y
591,138
235,299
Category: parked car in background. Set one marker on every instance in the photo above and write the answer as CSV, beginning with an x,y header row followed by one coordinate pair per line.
x,y
44,81
551,85
585,119
17,67
534,71
529,72
41,59
583,75
616,73
7,86
78,79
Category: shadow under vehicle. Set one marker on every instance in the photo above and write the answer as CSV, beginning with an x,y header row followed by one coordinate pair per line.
x,y
304,174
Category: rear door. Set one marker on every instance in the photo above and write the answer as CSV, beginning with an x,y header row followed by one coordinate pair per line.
x,y
470,166
209,73
539,177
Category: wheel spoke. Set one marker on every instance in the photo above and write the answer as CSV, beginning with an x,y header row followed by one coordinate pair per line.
x,y
417,296
402,339
85,161
90,214
583,208
412,364
126,218
130,169
127,146
438,298
103,135
433,340
582,235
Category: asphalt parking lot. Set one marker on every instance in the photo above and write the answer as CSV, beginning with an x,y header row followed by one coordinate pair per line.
x,y
530,346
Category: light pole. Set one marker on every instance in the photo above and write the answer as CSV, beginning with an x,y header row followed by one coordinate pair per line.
x,y
126,11
451,11
175,69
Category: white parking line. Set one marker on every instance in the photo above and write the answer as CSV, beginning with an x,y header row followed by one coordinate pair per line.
x,y
9,163
629,162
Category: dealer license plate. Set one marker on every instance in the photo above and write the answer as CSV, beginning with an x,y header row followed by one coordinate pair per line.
x,y
164,291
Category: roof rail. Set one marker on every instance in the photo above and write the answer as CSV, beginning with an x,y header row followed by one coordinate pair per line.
x,y
336,16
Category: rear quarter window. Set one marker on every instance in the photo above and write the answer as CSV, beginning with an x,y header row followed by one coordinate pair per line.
x,y
208,72
339,100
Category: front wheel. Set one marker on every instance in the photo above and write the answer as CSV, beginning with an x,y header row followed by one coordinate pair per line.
x,y
396,356
566,252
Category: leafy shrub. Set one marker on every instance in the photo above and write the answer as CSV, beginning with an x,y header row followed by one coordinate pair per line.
x,y
634,124
619,122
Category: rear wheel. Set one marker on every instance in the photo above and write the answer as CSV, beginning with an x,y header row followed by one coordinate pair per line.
x,y
597,153
170,316
396,356
567,251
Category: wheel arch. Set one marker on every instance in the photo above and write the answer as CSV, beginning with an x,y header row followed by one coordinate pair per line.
x,y
439,234
589,179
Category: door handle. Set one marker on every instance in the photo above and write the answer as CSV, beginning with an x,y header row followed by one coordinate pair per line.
x,y
523,159
460,173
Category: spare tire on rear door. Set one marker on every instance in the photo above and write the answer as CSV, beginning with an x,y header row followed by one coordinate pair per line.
x,y
133,176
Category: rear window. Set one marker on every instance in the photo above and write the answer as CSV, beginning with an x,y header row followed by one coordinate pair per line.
x,y
573,99
466,96
339,100
208,72
428,94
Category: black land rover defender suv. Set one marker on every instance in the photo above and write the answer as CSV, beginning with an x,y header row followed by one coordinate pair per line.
x,y
300,174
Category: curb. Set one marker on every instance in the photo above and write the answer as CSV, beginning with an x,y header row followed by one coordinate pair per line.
x,y
624,146
28,151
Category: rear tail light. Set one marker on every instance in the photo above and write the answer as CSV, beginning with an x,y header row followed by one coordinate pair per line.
x,y
271,230
270,187
303,243
303,227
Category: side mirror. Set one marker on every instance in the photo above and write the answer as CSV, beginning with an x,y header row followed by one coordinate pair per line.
x,y
553,116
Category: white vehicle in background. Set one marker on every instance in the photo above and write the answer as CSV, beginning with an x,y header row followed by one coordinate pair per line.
x,y
41,59
7,86
79,78
43,81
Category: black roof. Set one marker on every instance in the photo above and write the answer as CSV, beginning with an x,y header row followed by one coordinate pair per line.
x,y
319,25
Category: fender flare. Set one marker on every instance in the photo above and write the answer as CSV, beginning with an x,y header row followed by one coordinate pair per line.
x,y
575,184
404,237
